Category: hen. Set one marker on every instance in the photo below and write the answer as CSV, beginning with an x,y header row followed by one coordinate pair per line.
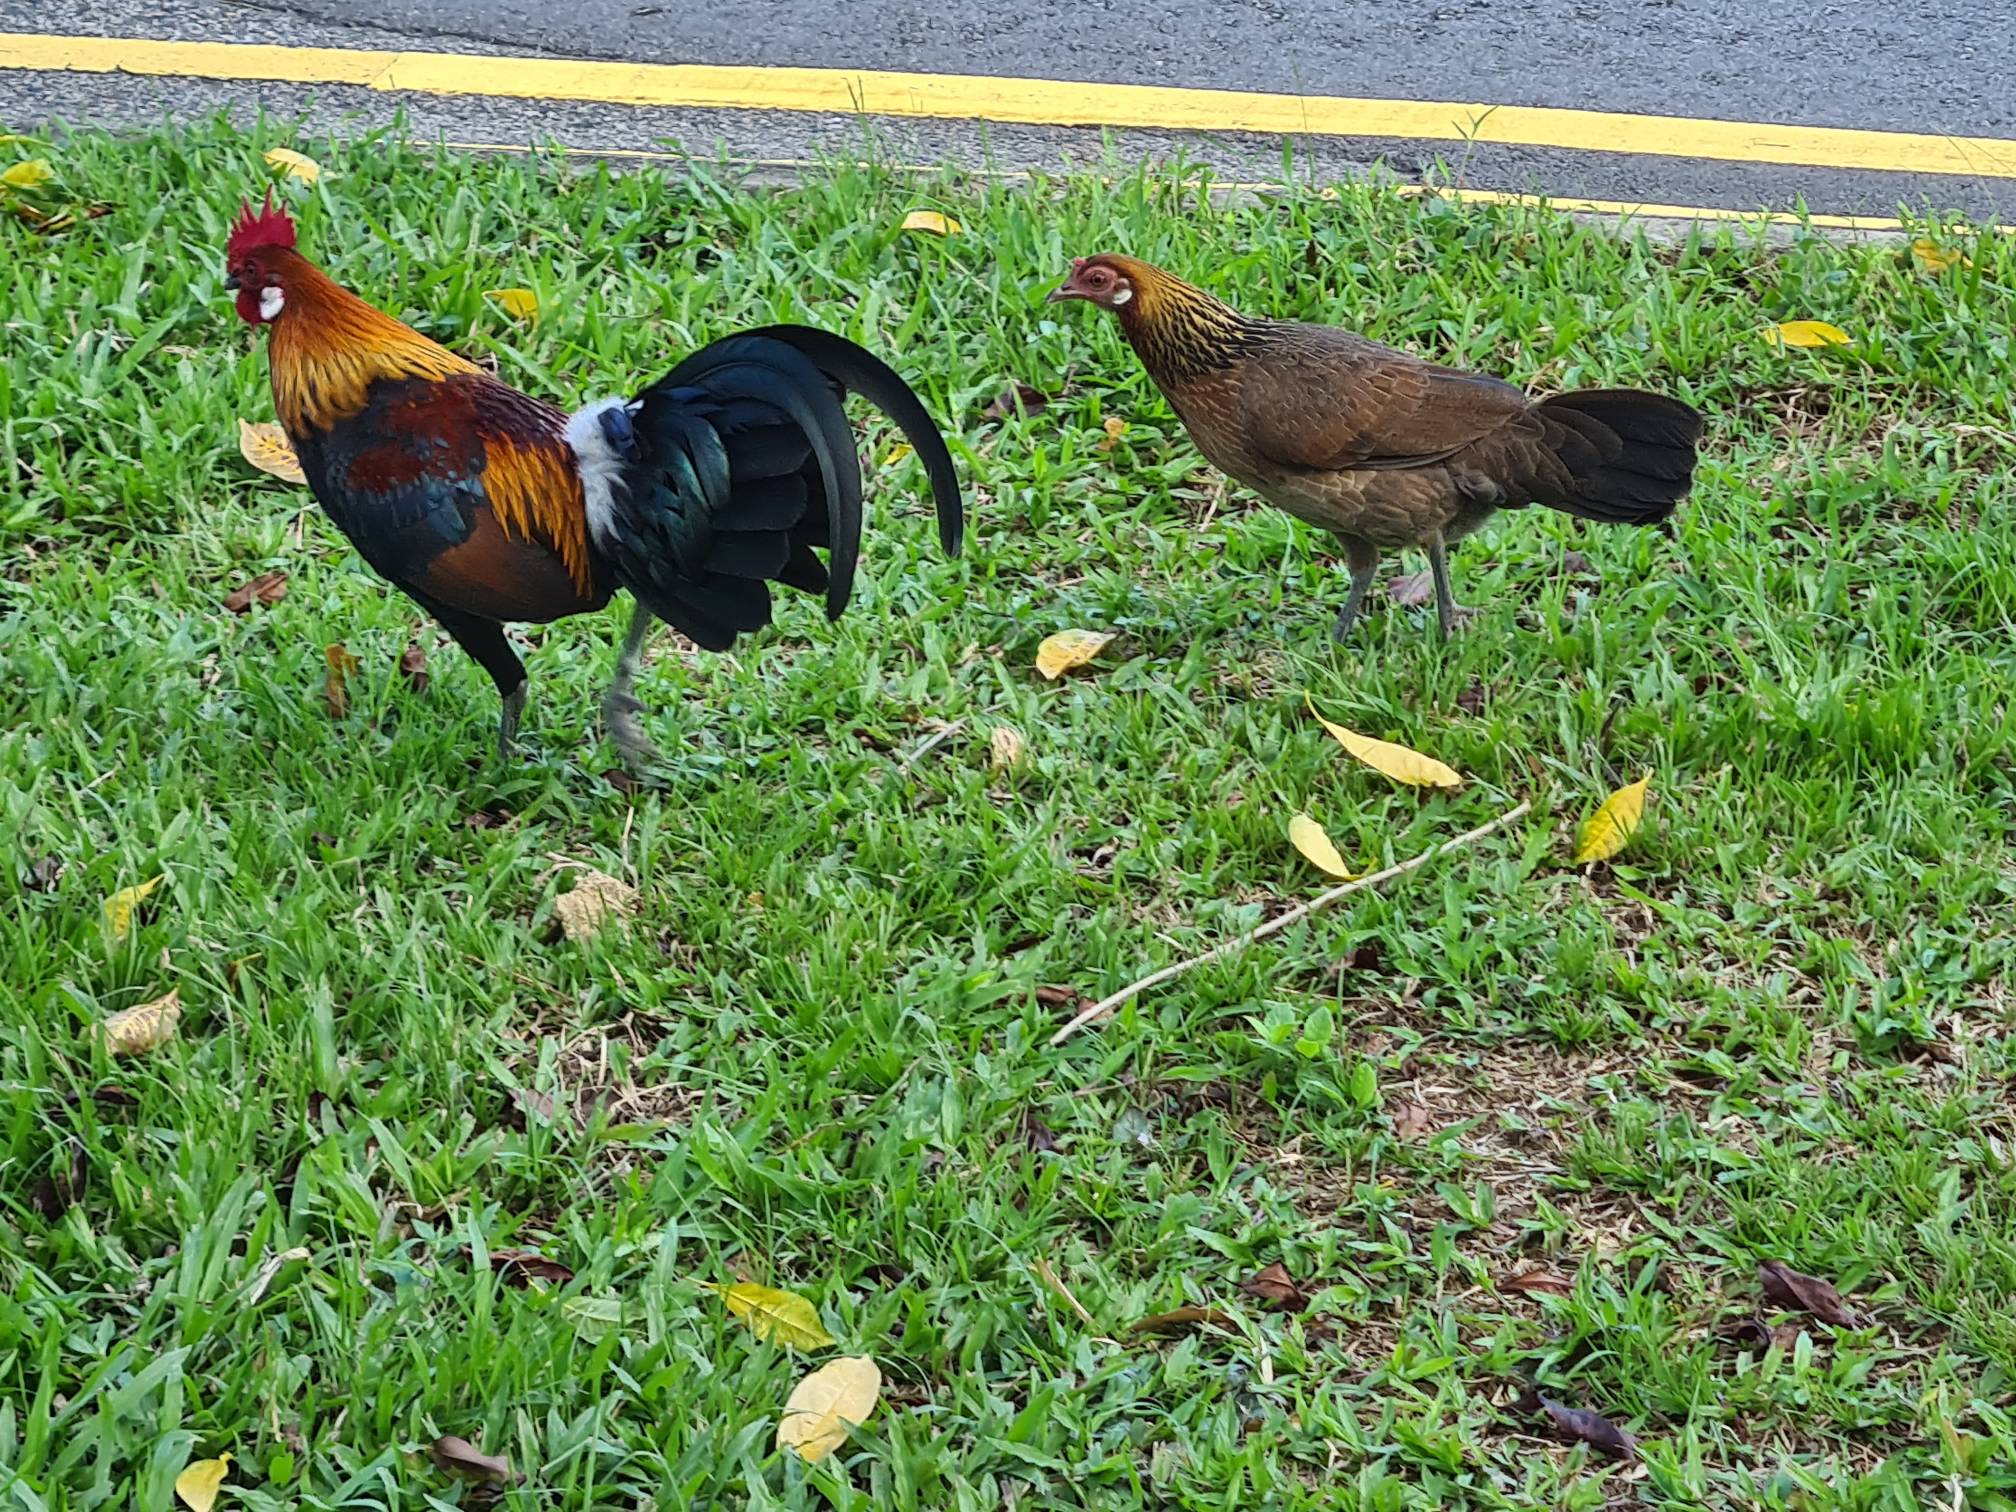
x,y
486,506
1381,449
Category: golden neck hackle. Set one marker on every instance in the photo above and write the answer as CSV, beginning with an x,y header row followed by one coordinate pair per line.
x,y
1179,331
329,347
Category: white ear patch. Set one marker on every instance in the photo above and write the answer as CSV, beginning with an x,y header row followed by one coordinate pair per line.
x,y
271,303
1122,294
601,468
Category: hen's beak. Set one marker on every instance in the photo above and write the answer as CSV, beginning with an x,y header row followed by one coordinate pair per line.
x,y
1062,292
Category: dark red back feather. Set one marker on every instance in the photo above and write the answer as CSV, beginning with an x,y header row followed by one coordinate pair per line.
x,y
269,227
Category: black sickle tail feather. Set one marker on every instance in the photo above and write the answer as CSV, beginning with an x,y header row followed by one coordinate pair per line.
x,y
874,380
738,463
1630,455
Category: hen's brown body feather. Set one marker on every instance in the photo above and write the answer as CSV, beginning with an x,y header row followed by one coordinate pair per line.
x,y
1380,448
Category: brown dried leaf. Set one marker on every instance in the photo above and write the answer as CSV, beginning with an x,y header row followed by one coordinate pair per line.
x,y
1574,564
1411,1120
1471,699
1183,1320
137,1030
43,874
533,1104
1539,1282
1039,1134
267,588
64,1183
1017,398
1058,997
523,1267
1797,1291
413,664
595,899
624,781
336,687
1370,956
1005,747
1747,1333
1412,590
1276,1288
1591,1428
458,1456
267,448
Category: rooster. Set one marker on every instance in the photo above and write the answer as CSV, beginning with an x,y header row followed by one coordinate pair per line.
x,y
486,506
1381,449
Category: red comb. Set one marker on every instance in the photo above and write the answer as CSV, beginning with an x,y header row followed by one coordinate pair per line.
x,y
269,228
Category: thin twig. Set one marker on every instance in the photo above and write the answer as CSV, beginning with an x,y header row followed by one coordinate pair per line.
x,y
1050,1280
931,745
1295,915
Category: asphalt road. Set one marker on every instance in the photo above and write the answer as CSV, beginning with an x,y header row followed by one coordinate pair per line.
x,y
1910,65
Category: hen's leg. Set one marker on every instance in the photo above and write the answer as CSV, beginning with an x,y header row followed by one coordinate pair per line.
x,y
1448,613
620,707
1363,558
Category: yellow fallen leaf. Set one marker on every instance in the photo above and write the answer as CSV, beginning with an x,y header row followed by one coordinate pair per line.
x,y
828,1402
1934,258
149,1026
933,222
1806,333
897,453
267,448
519,304
119,907
298,165
1005,746
782,1316
1311,839
1066,649
336,687
594,899
1399,762
29,173
1609,829
200,1481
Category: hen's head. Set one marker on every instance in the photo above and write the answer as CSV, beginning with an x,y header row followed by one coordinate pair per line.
x,y
258,260
1108,281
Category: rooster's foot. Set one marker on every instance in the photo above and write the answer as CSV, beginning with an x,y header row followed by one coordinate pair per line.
x,y
619,717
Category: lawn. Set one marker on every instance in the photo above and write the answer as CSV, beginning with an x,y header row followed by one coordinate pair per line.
x,y
1510,1126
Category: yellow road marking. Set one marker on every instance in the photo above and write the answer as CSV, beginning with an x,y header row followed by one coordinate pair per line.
x,y
1039,102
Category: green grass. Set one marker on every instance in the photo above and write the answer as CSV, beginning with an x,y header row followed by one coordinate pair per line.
x,y
1780,1027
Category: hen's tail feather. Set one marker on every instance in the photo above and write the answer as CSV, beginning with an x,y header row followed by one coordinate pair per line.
x,y
1629,455
874,380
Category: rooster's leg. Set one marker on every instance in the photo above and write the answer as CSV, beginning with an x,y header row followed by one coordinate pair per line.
x,y
1448,613
1363,558
620,707
484,640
